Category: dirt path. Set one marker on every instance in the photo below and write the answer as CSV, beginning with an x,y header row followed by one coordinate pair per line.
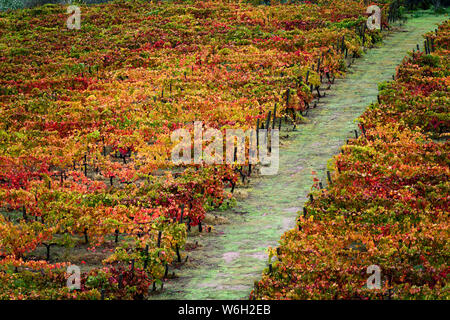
x,y
232,257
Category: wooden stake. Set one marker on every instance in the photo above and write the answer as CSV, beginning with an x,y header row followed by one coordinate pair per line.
x,y
159,239
86,239
146,257
274,116
178,253
257,133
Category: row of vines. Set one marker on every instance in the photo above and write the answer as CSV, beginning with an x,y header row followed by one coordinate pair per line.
x,y
387,202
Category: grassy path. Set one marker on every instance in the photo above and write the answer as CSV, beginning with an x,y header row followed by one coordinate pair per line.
x,y
233,256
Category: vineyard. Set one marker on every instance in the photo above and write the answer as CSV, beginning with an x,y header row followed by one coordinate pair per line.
x,y
86,123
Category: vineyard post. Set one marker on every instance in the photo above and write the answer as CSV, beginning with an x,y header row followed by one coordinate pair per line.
x,y
257,133
85,165
287,97
146,257
86,238
364,35
178,253
269,115
104,147
47,246
159,239
267,125
274,116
